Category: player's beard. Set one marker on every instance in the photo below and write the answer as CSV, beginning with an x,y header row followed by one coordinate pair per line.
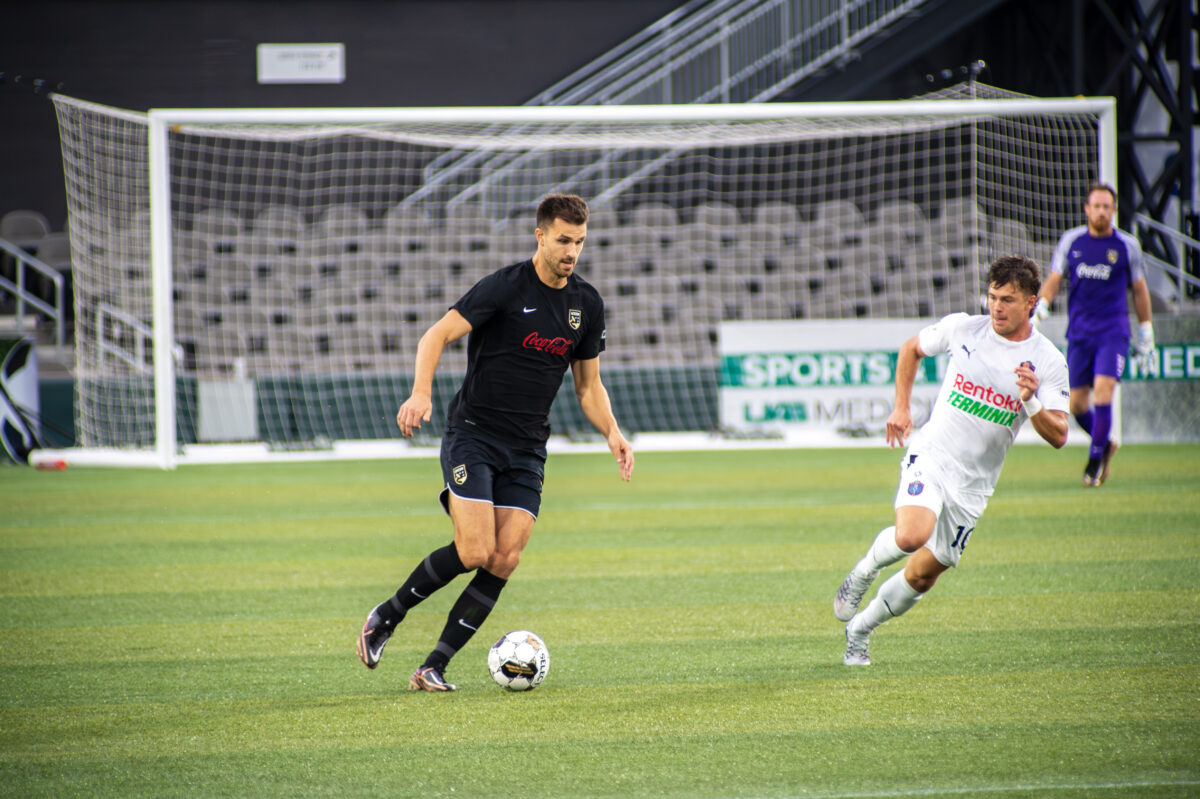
x,y
554,268
562,268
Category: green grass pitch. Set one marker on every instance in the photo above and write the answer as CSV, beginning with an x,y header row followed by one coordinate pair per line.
x,y
192,634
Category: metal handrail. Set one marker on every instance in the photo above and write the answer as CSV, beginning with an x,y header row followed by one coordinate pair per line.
x,y
668,51
144,334
1181,277
25,297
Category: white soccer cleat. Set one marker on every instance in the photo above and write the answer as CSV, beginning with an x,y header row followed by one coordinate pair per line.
x,y
857,647
850,593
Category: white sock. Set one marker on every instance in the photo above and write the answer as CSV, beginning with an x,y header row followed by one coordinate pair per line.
x,y
895,597
883,552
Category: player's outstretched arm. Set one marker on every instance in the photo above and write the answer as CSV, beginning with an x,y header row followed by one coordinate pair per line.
x,y
419,405
899,422
593,399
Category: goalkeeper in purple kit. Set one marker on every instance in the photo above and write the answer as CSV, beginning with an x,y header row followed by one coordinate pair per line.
x,y
1100,265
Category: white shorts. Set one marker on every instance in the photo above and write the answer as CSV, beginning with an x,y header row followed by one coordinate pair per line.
x,y
923,484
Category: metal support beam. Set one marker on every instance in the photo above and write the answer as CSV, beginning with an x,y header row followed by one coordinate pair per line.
x,y
1155,65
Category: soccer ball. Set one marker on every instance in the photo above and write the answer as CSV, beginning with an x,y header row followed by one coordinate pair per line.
x,y
519,661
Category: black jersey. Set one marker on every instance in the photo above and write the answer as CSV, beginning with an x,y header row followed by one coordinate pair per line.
x,y
523,337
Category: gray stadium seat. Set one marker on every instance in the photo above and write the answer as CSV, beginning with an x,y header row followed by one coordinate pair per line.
x,y
216,351
216,221
280,222
843,213
825,234
1008,236
409,220
24,227
602,219
905,213
780,214
654,214
717,214
338,230
961,208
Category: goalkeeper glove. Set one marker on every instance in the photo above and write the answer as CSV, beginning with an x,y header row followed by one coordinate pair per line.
x,y
1145,344
1040,311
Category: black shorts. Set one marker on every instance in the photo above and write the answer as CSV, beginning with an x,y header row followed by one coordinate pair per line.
x,y
480,469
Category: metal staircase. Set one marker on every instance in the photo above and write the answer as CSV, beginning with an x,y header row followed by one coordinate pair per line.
x,y
706,51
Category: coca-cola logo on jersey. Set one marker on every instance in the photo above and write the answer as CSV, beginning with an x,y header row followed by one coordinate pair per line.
x,y
551,346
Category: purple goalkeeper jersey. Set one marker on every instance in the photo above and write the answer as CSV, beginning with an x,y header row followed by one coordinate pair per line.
x,y
1099,272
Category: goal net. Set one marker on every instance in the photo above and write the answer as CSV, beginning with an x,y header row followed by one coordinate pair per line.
x,y
263,276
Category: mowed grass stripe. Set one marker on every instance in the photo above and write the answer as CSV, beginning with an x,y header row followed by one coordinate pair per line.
x,y
1095,760
695,622
1069,696
784,585
308,582
815,656
197,566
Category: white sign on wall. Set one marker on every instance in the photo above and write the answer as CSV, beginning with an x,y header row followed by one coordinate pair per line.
x,y
834,377
302,63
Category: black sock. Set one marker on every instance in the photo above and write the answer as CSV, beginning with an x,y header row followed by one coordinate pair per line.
x,y
439,567
467,616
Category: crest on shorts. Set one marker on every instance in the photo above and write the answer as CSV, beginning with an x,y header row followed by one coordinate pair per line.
x,y
1112,256
574,318
460,474
915,487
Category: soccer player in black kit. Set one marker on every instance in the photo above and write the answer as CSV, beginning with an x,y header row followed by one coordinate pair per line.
x,y
528,323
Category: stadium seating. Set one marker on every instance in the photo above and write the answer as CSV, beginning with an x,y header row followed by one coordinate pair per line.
x,y
360,289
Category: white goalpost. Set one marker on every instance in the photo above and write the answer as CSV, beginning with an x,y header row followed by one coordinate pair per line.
x,y
251,283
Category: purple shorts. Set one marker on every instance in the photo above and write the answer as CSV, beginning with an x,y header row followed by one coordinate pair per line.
x,y
1101,355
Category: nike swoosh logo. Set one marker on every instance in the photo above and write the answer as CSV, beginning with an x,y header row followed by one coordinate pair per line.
x,y
528,310
469,627
418,596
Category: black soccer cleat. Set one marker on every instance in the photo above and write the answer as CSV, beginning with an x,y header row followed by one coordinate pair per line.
x,y
1109,451
375,634
1092,472
428,678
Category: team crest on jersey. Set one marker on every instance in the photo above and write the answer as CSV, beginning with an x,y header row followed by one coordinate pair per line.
x,y
574,318
1112,256
1029,365
915,487
460,474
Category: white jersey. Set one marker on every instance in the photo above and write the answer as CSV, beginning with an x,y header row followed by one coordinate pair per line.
x,y
978,411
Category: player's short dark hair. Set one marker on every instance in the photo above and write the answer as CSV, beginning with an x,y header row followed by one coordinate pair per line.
x,y
567,207
1098,186
1018,269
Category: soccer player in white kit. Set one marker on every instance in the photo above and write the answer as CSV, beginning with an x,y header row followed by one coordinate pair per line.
x,y
1001,372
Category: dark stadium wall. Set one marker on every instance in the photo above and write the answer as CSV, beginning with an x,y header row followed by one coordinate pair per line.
x,y
140,54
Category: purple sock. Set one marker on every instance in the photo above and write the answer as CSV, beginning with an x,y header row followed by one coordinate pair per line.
x,y
1101,426
1085,421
